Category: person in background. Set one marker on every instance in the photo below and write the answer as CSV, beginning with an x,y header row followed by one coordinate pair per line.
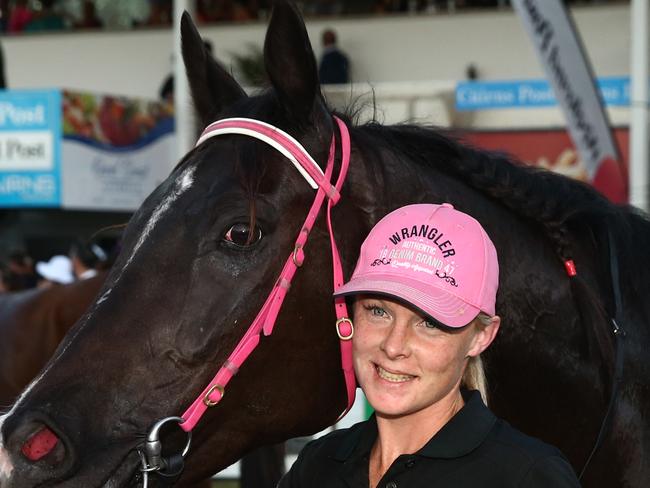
x,y
20,273
58,270
89,19
225,11
5,286
424,307
160,12
334,67
19,16
47,19
326,7
86,258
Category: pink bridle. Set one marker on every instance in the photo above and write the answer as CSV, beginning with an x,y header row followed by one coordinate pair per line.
x,y
266,318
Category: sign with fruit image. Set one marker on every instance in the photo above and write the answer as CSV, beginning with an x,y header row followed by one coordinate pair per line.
x,y
116,150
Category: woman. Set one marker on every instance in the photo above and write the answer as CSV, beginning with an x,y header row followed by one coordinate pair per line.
x,y
423,294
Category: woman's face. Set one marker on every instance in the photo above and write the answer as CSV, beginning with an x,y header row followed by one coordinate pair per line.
x,y
406,364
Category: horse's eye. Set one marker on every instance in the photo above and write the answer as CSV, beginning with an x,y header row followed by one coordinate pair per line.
x,y
242,235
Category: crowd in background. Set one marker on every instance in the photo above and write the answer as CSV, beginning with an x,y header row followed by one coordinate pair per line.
x,y
18,16
19,271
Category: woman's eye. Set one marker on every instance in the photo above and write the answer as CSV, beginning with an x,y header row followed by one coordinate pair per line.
x,y
242,235
376,311
428,324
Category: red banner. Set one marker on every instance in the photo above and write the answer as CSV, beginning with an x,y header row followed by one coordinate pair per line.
x,y
553,149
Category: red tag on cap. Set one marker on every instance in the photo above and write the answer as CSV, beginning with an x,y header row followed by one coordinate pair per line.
x,y
40,444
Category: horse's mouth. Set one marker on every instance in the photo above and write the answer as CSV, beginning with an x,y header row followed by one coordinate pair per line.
x,y
127,473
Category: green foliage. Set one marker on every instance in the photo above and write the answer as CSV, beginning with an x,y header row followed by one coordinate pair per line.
x,y
250,65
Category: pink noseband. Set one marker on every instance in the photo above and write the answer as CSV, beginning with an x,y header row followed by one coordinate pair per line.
x,y
265,320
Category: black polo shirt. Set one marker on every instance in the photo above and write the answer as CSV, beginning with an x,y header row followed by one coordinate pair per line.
x,y
474,449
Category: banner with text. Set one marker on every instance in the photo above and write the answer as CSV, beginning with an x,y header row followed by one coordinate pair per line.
x,y
494,95
551,29
30,136
116,150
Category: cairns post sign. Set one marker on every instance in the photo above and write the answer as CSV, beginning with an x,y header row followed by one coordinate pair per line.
x,y
30,135
488,95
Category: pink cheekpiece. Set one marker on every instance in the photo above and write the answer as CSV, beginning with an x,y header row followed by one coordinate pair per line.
x,y
434,257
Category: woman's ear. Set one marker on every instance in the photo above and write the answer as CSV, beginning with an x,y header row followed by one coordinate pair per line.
x,y
484,335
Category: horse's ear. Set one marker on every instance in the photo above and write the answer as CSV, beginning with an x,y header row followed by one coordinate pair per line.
x,y
290,61
211,85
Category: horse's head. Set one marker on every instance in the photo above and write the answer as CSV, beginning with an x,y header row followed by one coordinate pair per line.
x,y
199,258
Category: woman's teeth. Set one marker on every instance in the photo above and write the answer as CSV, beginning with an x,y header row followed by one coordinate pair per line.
x,y
396,378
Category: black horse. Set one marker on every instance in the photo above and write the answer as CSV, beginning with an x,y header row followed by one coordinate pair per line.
x,y
203,251
33,323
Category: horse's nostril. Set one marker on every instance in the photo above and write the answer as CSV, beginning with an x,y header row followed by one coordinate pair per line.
x,y
42,443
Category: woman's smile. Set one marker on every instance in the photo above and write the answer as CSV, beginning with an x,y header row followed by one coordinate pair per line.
x,y
393,376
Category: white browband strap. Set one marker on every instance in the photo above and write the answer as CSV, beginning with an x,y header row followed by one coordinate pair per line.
x,y
208,133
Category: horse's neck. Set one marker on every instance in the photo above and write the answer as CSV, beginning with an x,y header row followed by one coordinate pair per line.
x,y
385,179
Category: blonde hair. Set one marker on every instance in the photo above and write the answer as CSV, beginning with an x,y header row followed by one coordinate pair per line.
x,y
474,376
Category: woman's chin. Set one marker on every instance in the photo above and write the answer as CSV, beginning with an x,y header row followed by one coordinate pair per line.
x,y
389,404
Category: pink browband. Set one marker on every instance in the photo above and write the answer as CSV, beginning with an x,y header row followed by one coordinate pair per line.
x,y
265,320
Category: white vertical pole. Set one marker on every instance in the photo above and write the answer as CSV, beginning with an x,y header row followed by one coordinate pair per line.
x,y
182,105
639,162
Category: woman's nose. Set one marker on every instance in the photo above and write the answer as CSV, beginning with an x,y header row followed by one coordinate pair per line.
x,y
396,341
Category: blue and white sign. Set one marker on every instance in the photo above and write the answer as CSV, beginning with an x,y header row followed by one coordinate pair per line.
x,y
484,95
30,139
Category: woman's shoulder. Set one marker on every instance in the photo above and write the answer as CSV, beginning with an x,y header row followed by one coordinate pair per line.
x,y
481,427
319,461
536,462
336,443
510,439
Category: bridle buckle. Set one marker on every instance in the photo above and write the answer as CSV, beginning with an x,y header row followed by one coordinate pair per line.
x,y
206,397
298,256
342,336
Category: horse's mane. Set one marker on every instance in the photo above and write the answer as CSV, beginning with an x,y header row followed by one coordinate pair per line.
x,y
566,210
559,204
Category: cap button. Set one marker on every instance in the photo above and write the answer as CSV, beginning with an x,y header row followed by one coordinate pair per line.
x,y
447,205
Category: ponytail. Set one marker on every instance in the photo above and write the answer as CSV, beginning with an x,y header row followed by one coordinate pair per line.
x,y
474,375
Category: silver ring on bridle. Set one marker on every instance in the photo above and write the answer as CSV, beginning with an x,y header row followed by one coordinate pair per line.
x,y
151,454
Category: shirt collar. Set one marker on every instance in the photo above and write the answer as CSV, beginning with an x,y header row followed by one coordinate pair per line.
x,y
359,442
464,432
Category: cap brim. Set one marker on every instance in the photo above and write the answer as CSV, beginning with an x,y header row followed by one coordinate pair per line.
x,y
435,302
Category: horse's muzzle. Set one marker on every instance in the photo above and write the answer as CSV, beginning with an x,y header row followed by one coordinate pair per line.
x,y
36,451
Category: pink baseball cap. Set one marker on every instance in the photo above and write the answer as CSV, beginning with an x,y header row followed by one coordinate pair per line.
x,y
433,257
